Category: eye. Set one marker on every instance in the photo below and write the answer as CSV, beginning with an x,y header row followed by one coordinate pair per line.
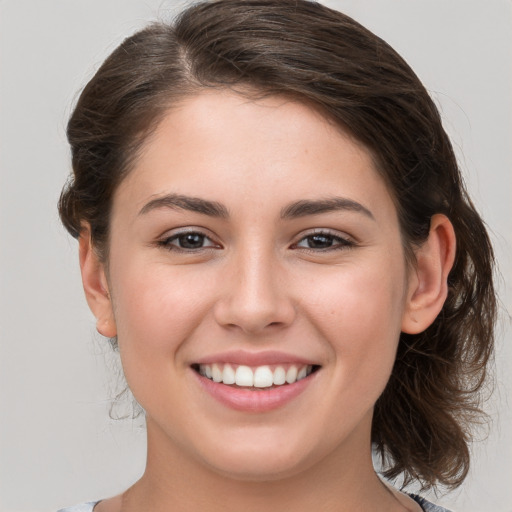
x,y
188,241
323,241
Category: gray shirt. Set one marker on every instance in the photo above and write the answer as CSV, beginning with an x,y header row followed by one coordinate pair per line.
x,y
424,504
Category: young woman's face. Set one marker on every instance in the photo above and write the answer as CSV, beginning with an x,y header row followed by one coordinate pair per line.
x,y
255,242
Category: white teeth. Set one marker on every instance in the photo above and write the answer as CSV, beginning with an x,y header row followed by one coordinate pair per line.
x,y
228,374
259,377
279,376
302,373
263,377
244,376
216,373
291,374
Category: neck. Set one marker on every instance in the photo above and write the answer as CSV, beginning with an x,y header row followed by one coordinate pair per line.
x,y
342,481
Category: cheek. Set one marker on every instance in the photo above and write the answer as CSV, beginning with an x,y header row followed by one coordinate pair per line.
x,y
157,308
359,297
360,314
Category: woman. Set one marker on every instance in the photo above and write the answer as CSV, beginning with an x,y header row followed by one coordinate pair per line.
x,y
273,227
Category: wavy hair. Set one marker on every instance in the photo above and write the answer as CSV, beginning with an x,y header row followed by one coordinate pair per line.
x,y
322,57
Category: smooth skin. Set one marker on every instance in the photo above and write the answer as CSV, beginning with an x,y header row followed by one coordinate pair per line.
x,y
250,269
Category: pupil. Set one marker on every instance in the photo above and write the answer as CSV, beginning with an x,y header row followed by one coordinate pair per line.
x,y
319,241
191,241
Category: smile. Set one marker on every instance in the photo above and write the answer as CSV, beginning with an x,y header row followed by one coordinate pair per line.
x,y
254,387
260,377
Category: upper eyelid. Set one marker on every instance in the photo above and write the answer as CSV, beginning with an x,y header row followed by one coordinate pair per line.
x,y
176,232
170,233
340,243
326,231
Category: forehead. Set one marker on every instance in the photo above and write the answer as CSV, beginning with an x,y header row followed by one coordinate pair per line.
x,y
227,147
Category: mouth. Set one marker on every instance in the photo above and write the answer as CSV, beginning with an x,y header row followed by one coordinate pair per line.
x,y
256,378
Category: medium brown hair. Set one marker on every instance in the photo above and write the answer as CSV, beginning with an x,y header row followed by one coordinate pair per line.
x,y
322,57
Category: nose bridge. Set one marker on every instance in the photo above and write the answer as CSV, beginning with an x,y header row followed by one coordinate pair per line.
x,y
255,296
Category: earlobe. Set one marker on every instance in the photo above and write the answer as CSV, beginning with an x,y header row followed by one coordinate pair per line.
x,y
428,282
95,285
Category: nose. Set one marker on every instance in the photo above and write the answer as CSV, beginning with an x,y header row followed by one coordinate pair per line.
x,y
254,297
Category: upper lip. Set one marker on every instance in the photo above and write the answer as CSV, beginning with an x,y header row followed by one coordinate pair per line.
x,y
243,357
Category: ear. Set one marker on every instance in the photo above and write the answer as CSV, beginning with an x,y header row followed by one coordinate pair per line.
x,y
95,285
428,281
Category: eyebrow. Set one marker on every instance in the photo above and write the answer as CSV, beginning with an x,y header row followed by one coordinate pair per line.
x,y
294,210
315,207
181,202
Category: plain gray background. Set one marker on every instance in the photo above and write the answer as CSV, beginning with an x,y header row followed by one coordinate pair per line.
x,y
58,445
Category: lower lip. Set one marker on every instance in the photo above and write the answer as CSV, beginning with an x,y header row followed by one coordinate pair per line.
x,y
259,400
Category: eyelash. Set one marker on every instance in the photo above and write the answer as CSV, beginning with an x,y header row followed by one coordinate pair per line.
x,y
167,243
337,242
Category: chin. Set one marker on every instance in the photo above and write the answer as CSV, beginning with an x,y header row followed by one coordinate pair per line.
x,y
257,470
259,462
